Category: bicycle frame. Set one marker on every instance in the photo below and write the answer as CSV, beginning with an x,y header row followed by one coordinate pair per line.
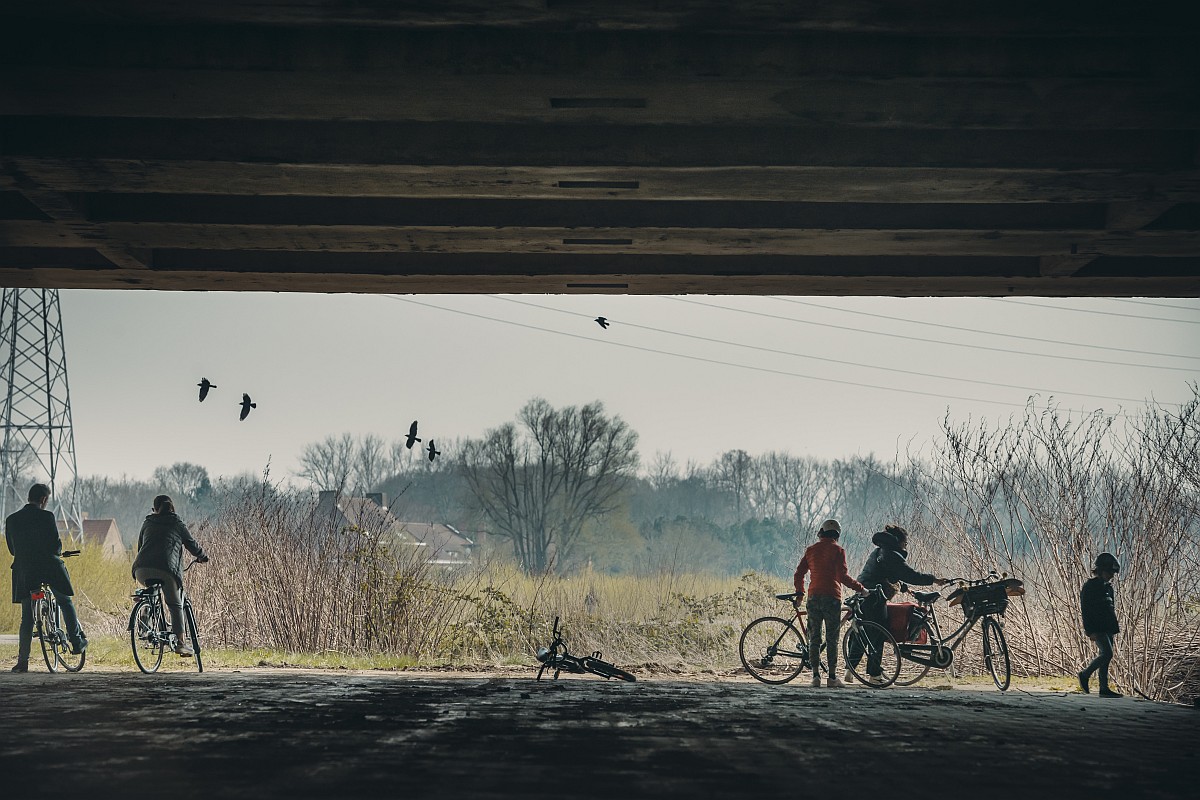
x,y
939,652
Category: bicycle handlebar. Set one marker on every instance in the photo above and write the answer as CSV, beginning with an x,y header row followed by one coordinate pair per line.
x,y
69,553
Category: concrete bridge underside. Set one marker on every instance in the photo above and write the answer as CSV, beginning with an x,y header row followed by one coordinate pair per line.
x,y
871,148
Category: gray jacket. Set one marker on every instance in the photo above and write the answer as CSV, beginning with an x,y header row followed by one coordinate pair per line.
x,y
161,544
887,566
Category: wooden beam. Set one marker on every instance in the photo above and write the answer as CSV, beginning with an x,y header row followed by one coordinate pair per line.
x,y
677,241
588,145
75,225
398,95
617,283
1135,215
870,16
796,184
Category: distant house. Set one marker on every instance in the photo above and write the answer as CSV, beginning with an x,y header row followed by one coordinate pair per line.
x,y
97,533
439,543
446,547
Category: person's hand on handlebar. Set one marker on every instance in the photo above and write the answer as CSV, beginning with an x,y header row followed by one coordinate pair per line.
x,y
941,581
798,599
202,559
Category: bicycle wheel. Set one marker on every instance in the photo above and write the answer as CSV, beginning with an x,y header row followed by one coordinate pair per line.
x,y
871,642
72,662
995,653
605,669
189,619
773,650
148,635
912,671
43,616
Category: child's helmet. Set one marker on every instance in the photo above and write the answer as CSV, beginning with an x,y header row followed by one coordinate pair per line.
x,y
1107,562
830,528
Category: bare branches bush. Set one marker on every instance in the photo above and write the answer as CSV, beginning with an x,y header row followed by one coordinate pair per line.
x,y
1042,496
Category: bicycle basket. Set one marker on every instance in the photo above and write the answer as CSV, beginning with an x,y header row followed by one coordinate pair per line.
x,y
990,598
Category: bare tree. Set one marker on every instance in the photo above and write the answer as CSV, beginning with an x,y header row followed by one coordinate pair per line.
x,y
328,463
183,480
371,462
539,481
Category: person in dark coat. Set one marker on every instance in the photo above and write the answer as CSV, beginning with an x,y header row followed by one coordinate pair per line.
x,y
160,559
32,538
1097,602
887,568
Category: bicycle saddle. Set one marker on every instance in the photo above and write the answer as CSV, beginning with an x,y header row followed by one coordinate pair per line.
x,y
785,596
927,597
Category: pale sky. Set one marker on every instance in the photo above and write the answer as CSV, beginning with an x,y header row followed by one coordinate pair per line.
x,y
326,364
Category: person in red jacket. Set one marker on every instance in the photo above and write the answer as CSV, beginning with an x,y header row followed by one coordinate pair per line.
x,y
826,561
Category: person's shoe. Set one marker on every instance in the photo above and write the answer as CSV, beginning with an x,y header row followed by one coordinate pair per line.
x,y
816,681
21,666
1083,684
79,646
875,680
184,649
1107,692
834,683
848,677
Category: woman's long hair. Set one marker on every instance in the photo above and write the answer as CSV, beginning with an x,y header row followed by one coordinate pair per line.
x,y
163,505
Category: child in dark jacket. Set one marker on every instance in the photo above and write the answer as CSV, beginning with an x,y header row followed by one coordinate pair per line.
x,y
1096,601
826,560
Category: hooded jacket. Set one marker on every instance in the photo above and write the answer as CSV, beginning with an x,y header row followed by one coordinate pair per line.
x,y
161,543
888,565
32,537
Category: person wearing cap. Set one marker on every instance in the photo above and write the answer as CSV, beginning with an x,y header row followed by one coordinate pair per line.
x,y
826,561
887,567
1098,604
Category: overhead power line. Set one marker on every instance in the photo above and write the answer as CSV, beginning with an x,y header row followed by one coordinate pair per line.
x,y
1013,302
942,341
1156,305
623,345
840,362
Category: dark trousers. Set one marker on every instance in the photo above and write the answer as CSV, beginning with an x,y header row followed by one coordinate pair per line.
x,y
25,632
171,594
854,652
1100,663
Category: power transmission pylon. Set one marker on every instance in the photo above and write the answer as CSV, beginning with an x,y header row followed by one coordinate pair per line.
x,y
39,441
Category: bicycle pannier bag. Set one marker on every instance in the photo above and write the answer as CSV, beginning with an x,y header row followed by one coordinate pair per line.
x,y
904,622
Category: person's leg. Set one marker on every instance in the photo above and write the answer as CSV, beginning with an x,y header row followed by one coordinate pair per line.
x,y
815,621
1105,642
171,594
875,637
71,621
25,633
832,613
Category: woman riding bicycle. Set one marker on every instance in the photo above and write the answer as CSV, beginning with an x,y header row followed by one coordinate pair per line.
x,y
159,559
887,567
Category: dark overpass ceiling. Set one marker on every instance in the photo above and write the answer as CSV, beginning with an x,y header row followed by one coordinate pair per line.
x,y
916,148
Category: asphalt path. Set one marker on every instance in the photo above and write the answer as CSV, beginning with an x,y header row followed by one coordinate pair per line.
x,y
278,734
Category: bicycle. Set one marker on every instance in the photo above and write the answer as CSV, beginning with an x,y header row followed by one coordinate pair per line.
x,y
775,650
47,621
871,642
984,601
558,658
150,631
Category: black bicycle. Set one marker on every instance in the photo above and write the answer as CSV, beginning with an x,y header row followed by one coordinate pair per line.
x,y
559,659
983,601
48,627
150,633
775,650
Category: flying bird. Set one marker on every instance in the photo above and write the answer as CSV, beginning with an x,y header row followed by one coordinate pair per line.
x,y
246,406
205,385
412,435
433,451
602,321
